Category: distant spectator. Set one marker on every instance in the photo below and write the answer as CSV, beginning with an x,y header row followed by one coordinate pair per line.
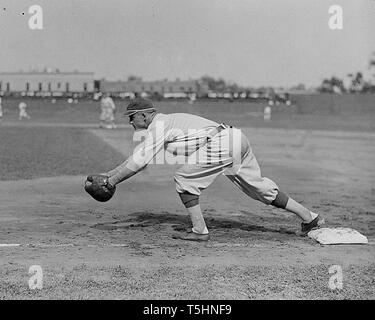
x,y
97,96
287,99
107,118
23,114
1,110
75,98
192,98
267,113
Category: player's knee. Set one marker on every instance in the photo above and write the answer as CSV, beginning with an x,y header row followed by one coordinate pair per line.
x,y
281,200
187,187
188,199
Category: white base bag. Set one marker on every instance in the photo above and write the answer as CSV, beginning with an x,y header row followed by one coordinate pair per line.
x,y
337,236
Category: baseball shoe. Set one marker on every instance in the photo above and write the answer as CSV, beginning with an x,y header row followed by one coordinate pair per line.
x,y
307,227
192,236
189,230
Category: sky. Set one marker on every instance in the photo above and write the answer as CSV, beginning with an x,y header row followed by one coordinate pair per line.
x,y
250,42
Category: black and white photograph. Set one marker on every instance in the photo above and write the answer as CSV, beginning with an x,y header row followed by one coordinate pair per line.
x,y
181,150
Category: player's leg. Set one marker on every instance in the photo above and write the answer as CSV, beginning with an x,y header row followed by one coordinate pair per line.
x,y
102,118
108,119
191,203
266,191
202,169
311,220
112,120
190,182
305,214
113,125
247,176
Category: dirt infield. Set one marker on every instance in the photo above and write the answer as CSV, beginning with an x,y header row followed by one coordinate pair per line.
x,y
124,249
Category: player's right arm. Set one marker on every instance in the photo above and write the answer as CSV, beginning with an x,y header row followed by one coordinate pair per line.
x,y
141,157
120,174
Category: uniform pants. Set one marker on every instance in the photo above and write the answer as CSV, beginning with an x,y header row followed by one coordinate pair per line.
x,y
229,153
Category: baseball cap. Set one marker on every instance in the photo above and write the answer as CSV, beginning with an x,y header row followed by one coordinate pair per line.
x,y
139,104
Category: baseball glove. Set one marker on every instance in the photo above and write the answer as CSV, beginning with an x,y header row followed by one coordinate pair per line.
x,y
99,187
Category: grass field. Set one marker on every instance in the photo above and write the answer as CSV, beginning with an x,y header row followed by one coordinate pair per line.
x,y
27,153
242,114
123,249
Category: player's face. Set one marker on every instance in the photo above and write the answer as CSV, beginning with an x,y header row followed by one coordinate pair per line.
x,y
138,121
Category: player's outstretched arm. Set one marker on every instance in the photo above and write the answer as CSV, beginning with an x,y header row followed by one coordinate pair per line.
x,y
142,155
120,174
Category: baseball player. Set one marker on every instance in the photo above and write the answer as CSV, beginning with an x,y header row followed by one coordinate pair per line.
x,y
267,113
23,114
1,110
207,149
107,118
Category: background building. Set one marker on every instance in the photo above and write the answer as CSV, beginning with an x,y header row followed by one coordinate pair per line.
x,y
47,83
162,88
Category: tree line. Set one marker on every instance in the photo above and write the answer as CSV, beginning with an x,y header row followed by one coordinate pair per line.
x,y
356,83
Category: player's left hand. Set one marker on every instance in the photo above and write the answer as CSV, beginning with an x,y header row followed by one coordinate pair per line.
x,y
99,188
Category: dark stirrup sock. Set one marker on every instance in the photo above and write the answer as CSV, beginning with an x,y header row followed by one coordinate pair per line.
x,y
280,201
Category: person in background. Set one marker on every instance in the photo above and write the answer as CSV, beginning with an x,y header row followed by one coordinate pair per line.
x,y
1,110
23,113
107,118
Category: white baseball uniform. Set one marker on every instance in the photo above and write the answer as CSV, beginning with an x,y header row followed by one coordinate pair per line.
x,y
23,114
204,152
1,109
107,108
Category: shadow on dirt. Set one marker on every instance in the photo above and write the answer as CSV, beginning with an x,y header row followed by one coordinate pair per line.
x,y
181,222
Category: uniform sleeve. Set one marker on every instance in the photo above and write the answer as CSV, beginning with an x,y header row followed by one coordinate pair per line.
x,y
147,150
